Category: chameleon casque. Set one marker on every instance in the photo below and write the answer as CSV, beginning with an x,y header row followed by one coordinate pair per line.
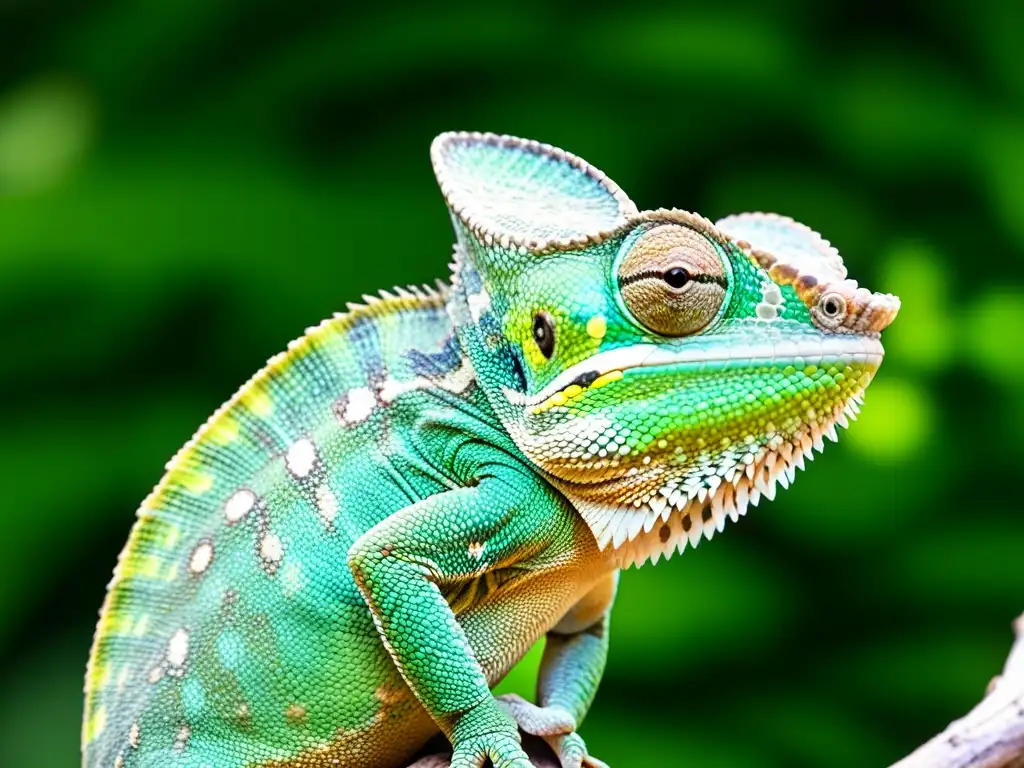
x,y
358,545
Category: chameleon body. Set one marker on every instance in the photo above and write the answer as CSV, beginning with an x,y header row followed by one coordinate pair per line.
x,y
378,525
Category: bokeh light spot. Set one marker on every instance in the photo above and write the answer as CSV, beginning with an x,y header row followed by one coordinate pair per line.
x,y
992,326
923,334
1001,152
45,128
896,420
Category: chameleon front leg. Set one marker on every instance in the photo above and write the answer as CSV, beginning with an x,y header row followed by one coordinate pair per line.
x,y
401,566
570,672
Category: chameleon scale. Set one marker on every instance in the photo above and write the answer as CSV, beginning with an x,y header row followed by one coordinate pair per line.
x,y
378,525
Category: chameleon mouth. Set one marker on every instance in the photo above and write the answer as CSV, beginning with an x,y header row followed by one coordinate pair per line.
x,y
651,492
606,367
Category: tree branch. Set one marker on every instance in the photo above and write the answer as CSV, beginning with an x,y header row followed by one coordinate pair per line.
x,y
989,736
540,755
992,734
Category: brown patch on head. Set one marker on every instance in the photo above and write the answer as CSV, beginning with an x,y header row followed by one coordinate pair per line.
x,y
784,273
763,258
663,533
295,714
804,259
805,282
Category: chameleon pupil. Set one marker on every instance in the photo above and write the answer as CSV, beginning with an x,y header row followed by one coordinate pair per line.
x,y
677,277
544,333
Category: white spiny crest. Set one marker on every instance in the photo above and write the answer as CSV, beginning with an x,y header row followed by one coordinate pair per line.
x,y
685,510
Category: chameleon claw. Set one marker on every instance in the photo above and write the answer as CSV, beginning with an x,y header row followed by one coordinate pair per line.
x,y
572,752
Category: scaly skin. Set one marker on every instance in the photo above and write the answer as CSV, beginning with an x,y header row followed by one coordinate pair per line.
x,y
361,543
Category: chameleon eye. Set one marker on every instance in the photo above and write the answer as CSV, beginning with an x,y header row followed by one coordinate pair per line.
x,y
677,277
544,333
673,281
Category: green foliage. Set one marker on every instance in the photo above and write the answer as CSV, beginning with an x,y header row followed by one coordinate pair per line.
x,y
185,186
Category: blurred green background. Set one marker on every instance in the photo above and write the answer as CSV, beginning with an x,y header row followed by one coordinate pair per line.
x,y
185,186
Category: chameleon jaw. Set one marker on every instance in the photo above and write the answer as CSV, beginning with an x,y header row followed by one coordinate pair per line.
x,y
679,512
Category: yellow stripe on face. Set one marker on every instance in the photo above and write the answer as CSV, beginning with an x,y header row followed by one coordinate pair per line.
x,y
605,379
575,390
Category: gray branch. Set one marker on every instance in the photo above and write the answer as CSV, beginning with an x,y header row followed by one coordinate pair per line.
x,y
992,734
989,736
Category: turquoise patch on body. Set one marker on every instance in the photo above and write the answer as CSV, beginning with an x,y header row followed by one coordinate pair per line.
x,y
230,648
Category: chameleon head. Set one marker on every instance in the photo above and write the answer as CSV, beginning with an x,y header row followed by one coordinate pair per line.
x,y
664,372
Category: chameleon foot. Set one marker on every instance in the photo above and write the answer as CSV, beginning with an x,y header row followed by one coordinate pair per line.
x,y
502,749
486,732
556,726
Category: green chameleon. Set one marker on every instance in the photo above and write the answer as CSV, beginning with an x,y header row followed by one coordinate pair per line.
x,y
363,541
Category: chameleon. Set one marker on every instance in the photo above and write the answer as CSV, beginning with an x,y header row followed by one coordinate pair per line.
x,y
355,549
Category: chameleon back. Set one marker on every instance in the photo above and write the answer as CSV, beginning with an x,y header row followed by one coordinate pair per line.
x,y
232,632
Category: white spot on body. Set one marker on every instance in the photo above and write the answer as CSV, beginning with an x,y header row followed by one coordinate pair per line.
x,y
479,303
455,381
458,380
201,557
239,505
771,294
393,387
327,504
292,579
301,457
271,549
177,651
476,549
359,406
133,736
122,677
181,740
771,300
